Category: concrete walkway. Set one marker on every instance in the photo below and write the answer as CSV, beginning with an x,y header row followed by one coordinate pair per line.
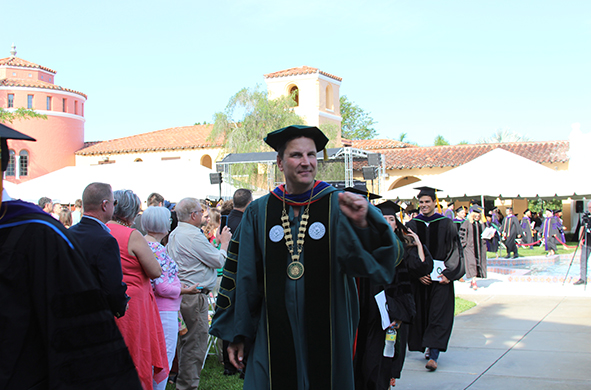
x,y
519,336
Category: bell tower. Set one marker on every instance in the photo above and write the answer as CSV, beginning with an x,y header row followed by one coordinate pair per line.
x,y
316,93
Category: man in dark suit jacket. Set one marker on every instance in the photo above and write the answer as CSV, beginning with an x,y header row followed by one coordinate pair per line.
x,y
99,246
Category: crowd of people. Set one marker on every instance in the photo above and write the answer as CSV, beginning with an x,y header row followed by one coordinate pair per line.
x,y
315,287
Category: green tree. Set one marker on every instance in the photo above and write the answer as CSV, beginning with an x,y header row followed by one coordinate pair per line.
x,y
356,124
249,116
440,141
540,205
504,135
463,143
19,114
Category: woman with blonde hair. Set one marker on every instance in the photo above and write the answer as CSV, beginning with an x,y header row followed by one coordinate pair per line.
x,y
140,326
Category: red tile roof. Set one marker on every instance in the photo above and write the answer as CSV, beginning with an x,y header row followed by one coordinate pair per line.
x,y
19,62
36,84
300,71
371,144
176,138
455,155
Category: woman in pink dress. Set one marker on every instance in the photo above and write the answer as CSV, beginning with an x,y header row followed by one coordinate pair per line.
x,y
141,326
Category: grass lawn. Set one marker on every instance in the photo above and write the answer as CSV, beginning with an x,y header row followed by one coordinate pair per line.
x,y
212,377
536,251
462,305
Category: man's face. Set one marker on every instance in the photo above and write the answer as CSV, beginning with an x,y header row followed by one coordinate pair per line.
x,y
509,212
109,206
391,219
528,214
299,165
426,206
48,208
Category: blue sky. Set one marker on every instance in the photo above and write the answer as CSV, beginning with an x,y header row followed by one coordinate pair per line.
x,y
462,69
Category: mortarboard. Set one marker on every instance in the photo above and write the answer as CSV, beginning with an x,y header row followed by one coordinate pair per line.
x,y
9,133
460,209
276,139
362,190
388,208
449,204
427,191
475,208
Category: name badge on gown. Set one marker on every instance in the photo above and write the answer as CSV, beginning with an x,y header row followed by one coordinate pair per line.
x,y
317,230
276,233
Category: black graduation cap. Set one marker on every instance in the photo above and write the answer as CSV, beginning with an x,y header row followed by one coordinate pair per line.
x,y
9,133
460,209
388,208
450,203
276,139
475,208
426,191
362,190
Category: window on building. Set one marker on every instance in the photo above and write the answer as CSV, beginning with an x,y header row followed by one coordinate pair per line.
x,y
75,107
49,103
29,101
64,104
30,74
14,73
329,98
10,171
23,169
10,100
295,93
82,111
41,77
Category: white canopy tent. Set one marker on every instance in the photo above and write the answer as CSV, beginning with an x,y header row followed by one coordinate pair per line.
x,y
174,180
496,174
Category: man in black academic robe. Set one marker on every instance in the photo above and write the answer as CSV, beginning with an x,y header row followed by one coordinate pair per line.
x,y
528,236
510,232
435,299
57,329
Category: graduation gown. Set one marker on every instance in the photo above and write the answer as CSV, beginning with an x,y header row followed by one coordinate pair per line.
x,y
527,236
58,331
511,229
474,248
436,302
303,330
550,232
372,369
492,245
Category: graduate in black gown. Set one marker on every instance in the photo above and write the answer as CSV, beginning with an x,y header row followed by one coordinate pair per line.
x,y
435,299
460,217
58,331
510,232
372,369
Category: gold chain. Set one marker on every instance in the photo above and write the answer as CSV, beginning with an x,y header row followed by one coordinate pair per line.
x,y
295,257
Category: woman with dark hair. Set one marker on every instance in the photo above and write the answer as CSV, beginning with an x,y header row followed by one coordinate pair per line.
x,y
141,326
373,370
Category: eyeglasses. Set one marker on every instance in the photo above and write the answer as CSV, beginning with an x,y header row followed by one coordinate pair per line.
x,y
114,202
